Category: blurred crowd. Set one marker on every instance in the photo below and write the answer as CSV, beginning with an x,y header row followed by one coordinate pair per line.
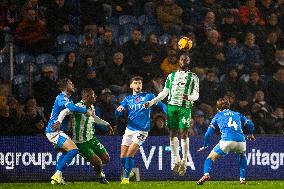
x,y
238,53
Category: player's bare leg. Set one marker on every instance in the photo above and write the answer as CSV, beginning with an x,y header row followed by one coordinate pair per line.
x,y
71,150
185,149
212,157
174,142
97,164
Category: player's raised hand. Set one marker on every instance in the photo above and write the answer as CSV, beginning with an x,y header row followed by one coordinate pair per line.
x,y
120,108
56,126
251,137
202,148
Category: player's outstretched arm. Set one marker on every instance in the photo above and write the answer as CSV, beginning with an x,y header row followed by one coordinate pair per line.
x,y
100,121
245,121
207,136
74,108
157,99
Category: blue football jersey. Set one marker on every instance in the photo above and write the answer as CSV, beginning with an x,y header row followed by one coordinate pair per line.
x,y
62,101
230,124
138,116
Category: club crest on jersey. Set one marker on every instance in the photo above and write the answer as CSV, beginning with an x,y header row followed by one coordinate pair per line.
x,y
137,100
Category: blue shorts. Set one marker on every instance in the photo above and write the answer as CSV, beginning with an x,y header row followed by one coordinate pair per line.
x,y
224,147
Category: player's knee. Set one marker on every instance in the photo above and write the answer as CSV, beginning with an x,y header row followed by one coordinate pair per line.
x,y
105,159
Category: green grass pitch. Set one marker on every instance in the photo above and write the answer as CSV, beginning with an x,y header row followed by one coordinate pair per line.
x,y
147,185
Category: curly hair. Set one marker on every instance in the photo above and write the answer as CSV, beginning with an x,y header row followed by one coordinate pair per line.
x,y
223,104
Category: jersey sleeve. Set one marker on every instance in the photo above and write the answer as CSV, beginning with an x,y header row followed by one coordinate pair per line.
x,y
213,124
67,103
168,81
63,114
246,122
124,105
194,92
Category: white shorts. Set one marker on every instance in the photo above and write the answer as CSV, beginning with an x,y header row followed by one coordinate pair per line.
x,y
137,137
57,138
230,146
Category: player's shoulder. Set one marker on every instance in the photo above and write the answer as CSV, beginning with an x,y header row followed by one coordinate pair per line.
x,y
194,75
81,104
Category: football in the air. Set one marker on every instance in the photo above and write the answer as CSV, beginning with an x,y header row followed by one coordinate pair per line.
x,y
185,44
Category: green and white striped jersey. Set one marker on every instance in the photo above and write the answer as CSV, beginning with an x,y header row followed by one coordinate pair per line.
x,y
83,126
182,83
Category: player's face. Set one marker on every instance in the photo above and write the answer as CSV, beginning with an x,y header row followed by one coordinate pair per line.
x,y
136,86
70,87
91,98
184,61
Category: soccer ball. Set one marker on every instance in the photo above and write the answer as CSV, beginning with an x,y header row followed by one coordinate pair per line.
x,y
185,44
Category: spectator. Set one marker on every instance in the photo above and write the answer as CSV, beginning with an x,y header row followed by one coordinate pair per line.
x,y
279,60
170,63
30,4
255,83
116,76
252,53
91,80
249,9
88,47
210,54
123,7
7,123
31,34
45,90
232,83
200,124
16,109
105,110
207,25
272,24
109,47
12,15
215,7
278,121
58,17
71,68
133,48
171,44
230,27
152,44
146,67
234,54
261,112
209,89
32,123
269,50
169,15
275,88
159,125
265,8
93,14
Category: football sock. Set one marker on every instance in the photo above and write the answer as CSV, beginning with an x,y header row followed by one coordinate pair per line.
x,y
123,161
68,157
174,142
243,165
128,166
208,163
184,148
60,159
